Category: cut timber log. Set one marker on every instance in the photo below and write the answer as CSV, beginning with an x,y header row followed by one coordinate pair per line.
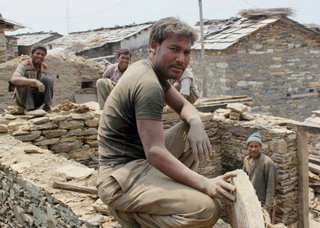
x,y
314,168
224,98
74,188
211,108
246,210
212,104
314,177
314,160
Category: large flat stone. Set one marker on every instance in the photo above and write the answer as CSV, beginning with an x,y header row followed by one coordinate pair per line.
x,y
75,172
246,210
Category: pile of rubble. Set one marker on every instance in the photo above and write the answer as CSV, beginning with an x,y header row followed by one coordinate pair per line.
x,y
69,106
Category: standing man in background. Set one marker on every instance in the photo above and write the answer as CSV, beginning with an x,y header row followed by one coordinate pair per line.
x,y
111,76
33,87
261,170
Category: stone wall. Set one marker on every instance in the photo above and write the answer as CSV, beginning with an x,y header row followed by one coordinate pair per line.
x,y
3,46
280,145
71,135
278,66
12,47
228,138
74,136
27,196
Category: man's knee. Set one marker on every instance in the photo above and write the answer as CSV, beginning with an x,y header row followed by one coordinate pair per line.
x,y
47,81
99,83
207,208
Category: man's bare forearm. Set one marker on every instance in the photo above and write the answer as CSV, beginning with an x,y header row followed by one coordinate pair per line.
x,y
189,113
22,81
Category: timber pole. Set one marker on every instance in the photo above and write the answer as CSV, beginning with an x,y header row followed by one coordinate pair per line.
x,y
202,60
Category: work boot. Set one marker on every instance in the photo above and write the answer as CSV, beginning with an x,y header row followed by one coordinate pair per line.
x,y
46,108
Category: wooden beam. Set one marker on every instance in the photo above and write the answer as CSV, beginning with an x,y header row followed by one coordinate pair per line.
x,y
314,160
303,172
314,168
74,188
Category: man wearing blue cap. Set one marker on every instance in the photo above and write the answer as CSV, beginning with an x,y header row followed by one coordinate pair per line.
x,y
261,170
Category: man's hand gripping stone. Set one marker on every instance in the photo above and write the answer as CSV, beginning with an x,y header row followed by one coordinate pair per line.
x,y
199,143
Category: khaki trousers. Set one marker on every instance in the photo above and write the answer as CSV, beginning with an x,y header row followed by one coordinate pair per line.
x,y
139,195
104,88
24,97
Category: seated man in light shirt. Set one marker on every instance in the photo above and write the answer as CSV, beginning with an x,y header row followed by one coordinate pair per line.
x,y
111,76
187,88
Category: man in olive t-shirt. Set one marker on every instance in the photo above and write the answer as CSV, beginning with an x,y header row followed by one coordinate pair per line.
x,y
146,175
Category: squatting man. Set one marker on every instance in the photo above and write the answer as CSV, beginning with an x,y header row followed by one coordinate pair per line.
x,y
33,85
147,175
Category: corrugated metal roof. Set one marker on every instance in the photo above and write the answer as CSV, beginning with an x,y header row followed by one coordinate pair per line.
x,y
223,36
32,38
90,39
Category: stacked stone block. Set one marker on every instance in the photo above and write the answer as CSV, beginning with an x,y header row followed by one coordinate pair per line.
x,y
72,135
3,47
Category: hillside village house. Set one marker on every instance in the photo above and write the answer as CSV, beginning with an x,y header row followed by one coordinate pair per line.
x,y
266,56
27,40
8,44
101,44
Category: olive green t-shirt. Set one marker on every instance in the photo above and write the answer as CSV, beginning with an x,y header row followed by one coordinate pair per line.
x,y
139,94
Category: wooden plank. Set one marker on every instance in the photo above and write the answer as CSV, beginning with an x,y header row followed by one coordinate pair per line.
x,y
303,183
314,168
225,101
211,108
74,188
221,98
314,160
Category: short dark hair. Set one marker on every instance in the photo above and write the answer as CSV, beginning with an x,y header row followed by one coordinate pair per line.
x,y
168,26
38,46
123,51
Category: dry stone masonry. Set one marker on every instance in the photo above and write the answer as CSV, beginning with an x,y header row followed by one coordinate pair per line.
x,y
228,130
27,173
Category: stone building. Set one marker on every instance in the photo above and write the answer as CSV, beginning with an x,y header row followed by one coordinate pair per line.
x,y
27,40
12,47
266,56
8,44
101,44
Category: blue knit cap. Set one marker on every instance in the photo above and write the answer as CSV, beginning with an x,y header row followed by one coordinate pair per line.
x,y
255,137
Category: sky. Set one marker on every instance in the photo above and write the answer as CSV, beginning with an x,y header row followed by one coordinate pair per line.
x,y
65,16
